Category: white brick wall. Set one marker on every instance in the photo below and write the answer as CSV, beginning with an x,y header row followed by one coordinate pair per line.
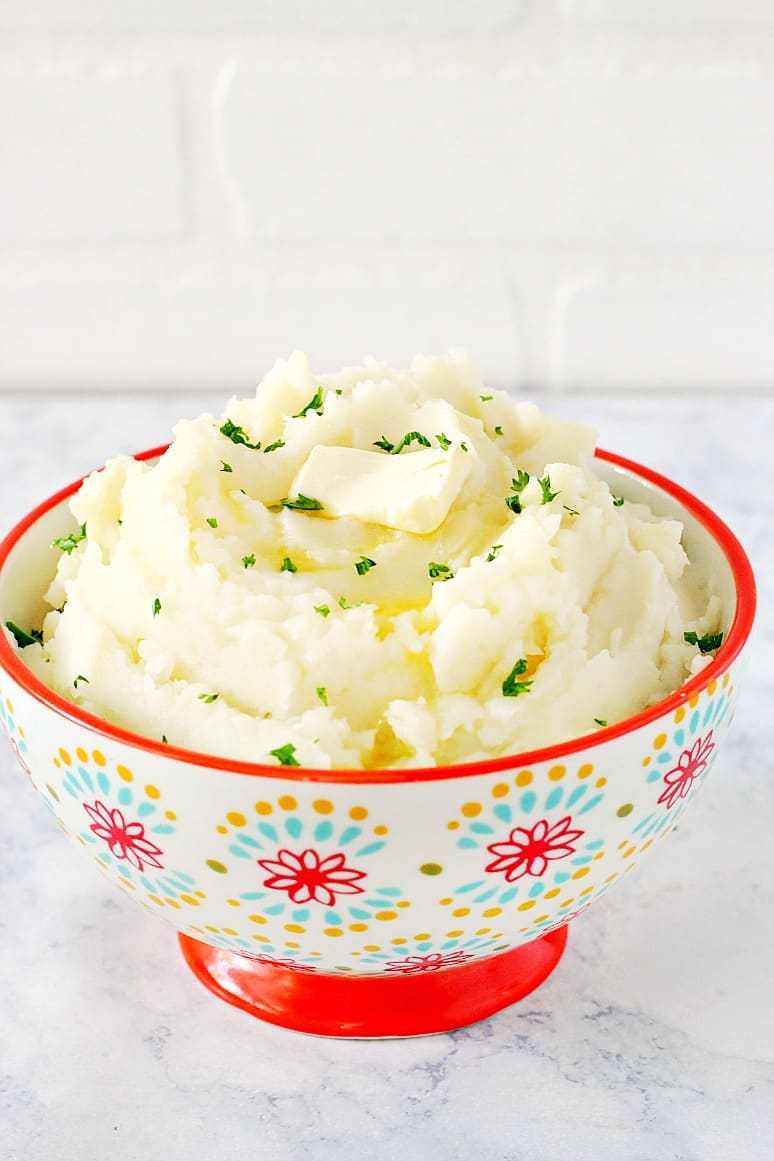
x,y
579,191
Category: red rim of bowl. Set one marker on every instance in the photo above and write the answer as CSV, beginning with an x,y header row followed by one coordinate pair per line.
x,y
734,642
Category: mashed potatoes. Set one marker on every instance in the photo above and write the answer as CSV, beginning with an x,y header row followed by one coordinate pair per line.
x,y
375,568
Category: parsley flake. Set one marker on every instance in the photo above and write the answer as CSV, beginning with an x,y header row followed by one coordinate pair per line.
x,y
248,561
498,430
493,551
485,398
409,438
443,441
706,644
617,501
384,444
71,541
165,739
314,404
287,565
345,604
273,446
301,503
80,678
511,687
285,755
545,488
208,698
600,722
440,572
212,521
23,637
338,390
463,445
156,607
322,693
572,511
224,467
238,435
363,565
323,610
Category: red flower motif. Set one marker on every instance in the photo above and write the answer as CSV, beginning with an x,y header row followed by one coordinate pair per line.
x,y
278,961
126,840
528,852
690,765
426,963
308,878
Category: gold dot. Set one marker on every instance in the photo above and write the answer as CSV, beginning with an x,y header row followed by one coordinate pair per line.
x,y
713,685
295,928
581,872
358,813
526,905
454,934
263,808
500,790
261,939
460,911
567,902
125,773
189,899
209,927
322,806
622,844
403,903
523,778
221,829
333,931
385,915
229,931
371,947
172,903
57,763
98,758
726,678
540,919
380,830
680,713
65,757
557,773
471,809
257,918
453,825
646,760
600,782
430,869
445,902
397,942
645,845
84,757
233,903
170,814
290,943
152,792
610,878
627,808
586,770
200,895
491,911
358,927
586,891
287,802
214,865
235,818
155,899
481,931
627,853
659,742
552,893
422,936
599,855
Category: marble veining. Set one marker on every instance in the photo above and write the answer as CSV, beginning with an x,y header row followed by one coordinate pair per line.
x,y
652,1041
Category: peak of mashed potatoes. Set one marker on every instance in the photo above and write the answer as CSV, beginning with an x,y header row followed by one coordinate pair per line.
x,y
374,568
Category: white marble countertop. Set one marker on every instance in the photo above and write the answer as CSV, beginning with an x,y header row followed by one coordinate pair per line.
x,y
652,1041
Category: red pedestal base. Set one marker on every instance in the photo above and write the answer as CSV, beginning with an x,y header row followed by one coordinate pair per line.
x,y
375,1006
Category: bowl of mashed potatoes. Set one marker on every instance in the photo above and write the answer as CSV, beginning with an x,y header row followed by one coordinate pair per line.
x,y
369,684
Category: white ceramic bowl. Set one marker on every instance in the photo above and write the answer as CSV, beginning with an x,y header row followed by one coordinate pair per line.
x,y
388,902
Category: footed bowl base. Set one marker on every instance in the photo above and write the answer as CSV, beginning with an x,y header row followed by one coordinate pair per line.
x,y
375,1006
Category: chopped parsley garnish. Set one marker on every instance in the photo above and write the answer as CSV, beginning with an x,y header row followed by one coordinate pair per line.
x,y
224,467
165,739
493,551
345,604
617,501
706,644
485,398
545,488
572,511
23,637
323,610
439,571
518,484
364,564
285,755
273,446
498,430
80,678
338,390
212,521
600,722
248,561
314,404
511,687
287,565
71,541
238,435
208,698
409,438
463,445
384,444
156,607
322,693
301,503
514,503
443,441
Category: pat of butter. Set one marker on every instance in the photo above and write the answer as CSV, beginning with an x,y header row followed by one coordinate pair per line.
x,y
412,492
